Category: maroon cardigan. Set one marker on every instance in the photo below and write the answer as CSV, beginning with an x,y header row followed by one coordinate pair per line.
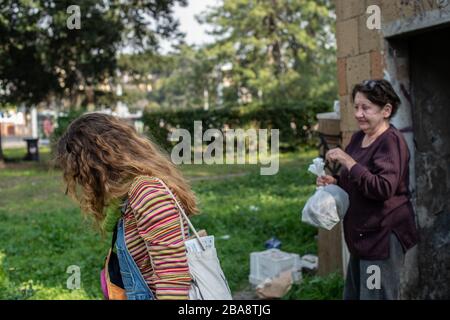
x,y
379,196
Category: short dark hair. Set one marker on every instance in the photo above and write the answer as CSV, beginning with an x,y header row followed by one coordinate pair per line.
x,y
379,92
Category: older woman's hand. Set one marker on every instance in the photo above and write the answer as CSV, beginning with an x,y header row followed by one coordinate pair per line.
x,y
325,180
337,154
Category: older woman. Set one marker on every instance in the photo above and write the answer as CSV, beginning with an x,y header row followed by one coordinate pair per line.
x,y
379,226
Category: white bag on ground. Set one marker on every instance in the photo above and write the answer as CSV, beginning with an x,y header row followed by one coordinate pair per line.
x,y
208,279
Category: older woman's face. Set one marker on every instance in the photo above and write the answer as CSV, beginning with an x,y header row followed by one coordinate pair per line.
x,y
369,115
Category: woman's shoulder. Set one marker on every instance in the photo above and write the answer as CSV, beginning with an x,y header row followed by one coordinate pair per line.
x,y
393,135
148,197
394,141
145,185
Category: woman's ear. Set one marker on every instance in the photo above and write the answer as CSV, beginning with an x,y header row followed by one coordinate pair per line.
x,y
387,111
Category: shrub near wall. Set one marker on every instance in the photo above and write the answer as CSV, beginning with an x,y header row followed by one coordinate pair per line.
x,y
295,122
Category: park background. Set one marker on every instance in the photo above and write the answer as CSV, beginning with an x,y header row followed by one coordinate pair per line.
x,y
257,64
263,64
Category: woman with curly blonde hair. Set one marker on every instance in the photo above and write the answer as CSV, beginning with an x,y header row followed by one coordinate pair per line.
x,y
106,165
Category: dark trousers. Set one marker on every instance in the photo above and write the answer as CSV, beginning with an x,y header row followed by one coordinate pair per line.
x,y
375,279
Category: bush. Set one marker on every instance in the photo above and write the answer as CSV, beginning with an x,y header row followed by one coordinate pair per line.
x,y
62,124
295,122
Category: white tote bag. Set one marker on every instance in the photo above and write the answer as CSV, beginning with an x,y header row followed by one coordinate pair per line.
x,y
208,279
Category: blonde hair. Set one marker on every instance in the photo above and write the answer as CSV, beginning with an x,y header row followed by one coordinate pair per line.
x,y
102,155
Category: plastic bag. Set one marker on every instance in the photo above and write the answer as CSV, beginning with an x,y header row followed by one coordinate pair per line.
x,y
317,167
340,197
320,210
328,204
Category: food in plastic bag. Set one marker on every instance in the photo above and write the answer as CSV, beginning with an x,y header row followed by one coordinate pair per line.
x,y
341,198
320,210
328,204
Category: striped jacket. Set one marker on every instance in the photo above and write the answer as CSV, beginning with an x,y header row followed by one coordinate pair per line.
x,y
154,240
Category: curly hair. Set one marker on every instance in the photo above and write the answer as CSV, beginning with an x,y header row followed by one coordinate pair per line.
x,y
102,155
379,92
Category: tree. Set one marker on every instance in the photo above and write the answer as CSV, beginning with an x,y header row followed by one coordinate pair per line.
x,y
178,79
281,51
42,58
187,76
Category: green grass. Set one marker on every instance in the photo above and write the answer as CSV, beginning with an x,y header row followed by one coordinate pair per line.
x,y
43,233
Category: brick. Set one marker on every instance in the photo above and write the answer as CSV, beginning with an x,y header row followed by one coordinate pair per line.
x,y
339,8
390,10
347,38
408,9
346,9
342,76
348,122
376,65
358,69
344,109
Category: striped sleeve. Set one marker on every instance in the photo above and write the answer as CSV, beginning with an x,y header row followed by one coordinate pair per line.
x,y
158,223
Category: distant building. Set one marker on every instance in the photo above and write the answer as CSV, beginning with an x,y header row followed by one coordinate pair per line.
x,y
14,123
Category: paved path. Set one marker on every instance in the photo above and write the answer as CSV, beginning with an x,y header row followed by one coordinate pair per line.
x,y
18,142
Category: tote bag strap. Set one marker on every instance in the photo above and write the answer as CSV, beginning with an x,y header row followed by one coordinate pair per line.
x,y
183,214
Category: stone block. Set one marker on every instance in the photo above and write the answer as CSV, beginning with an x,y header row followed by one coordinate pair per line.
x,y
347,38
376,65
342,76
358,70
346,9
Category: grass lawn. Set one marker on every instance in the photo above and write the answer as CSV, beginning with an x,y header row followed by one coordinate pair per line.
x,y
42,232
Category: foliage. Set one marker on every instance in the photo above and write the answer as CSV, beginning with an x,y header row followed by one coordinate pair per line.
x,y
279,51
41,57
43,61
177,79
186,79
329,287
62,124
294,121
275,52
